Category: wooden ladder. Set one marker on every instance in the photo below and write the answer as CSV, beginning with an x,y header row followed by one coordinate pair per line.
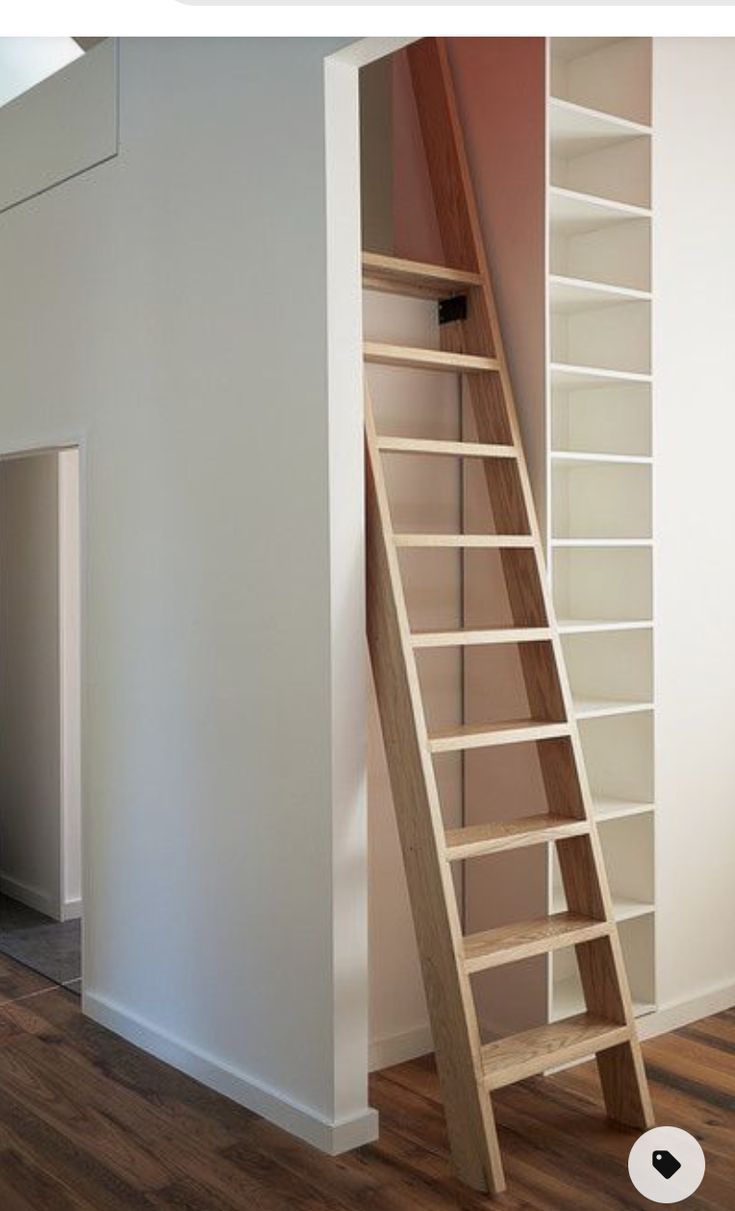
x,y
471,346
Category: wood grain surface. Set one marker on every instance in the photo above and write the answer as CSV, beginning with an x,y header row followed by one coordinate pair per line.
x,y
89,1122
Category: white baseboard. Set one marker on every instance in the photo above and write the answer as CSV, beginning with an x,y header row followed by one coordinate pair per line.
x,y
71,910
674,1016
399,1048
34,897
329,1136
682,1013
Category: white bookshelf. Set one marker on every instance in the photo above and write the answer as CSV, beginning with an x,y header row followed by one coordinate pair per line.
x,y
568,219
598,474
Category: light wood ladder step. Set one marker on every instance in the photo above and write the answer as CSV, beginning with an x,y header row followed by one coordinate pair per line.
x,y
488,734
490,541
530,1053
414,278
510,943
427,359
468,638
416,445
497,836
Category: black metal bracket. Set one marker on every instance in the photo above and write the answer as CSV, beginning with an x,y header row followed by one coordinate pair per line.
x,y
452,309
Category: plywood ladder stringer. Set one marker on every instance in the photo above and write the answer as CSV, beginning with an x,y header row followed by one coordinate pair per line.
x,y
471,346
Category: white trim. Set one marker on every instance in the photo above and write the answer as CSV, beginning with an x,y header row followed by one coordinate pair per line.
x,y
366,50
682,1013
398,1048
349,940
70,689
71,910
331,1137
347,586
33,897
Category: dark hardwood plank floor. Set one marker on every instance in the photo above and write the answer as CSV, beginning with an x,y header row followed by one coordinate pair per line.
x,y
88,1122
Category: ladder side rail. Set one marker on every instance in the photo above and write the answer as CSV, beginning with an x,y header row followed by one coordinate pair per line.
x,y
469,1115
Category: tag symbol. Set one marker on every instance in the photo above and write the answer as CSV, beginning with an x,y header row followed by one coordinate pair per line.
x,y
665,1164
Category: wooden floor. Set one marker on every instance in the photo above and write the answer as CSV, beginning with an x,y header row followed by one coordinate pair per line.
x,y
87,1121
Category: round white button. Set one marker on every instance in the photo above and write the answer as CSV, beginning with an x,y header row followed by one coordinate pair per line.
x,y
666,1164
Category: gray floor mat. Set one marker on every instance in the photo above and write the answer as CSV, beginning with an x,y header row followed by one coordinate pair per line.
x,y
52,948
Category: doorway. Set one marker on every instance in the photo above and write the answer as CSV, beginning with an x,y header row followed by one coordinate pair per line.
x,y
40,714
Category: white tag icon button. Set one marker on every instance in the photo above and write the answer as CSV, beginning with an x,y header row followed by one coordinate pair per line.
x,y
666,1165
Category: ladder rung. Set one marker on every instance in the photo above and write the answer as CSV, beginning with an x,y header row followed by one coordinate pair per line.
x,y
491,541
414,277
488,734
510,943
529,1053
427,359
500,835
454,639
415,445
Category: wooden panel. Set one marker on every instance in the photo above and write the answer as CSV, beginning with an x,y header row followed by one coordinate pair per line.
x,y
434,99
531,1052
523,939
381,272
500,835
440,639
521,731
426,359
490,541
414,445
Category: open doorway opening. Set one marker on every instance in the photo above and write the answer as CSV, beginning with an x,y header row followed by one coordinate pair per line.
x,y
40,728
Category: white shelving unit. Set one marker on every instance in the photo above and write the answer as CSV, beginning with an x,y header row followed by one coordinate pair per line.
x,y
599,465
568,222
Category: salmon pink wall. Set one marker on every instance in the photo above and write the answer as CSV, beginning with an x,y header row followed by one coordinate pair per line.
x,y
415,229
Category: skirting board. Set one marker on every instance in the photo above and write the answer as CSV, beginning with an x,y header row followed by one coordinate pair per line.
x,y
398,1048
299,1120
33,897
673,1017
682,1013
71,910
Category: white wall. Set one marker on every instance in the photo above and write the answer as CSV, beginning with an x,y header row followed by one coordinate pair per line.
x,y
64,126
26,61
694,377
69,624
168,308
30,825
